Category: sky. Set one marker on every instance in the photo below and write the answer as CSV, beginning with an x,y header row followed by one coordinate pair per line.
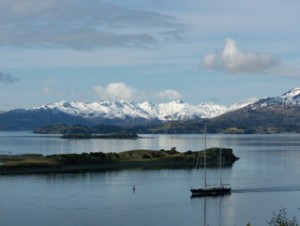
x,y
221,51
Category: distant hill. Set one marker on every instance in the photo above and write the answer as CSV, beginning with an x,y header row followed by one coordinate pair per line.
x,y
21,119
268,115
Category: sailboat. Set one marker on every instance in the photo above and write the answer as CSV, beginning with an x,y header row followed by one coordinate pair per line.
x,y
220,190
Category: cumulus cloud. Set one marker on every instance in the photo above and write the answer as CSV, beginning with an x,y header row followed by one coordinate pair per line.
x,y
119,90
231,60
7,78
115,91
169,94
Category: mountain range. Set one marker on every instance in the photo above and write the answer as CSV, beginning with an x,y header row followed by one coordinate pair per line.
x,y
172,111
272,114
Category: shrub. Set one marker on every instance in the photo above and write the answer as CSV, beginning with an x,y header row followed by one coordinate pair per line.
x,y
145,156
281,219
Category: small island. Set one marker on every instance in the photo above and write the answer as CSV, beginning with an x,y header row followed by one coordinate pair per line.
x,y
99,161
100,136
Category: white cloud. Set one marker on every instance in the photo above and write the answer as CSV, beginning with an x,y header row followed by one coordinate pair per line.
x,y
121,91
169,94
231,60
115,91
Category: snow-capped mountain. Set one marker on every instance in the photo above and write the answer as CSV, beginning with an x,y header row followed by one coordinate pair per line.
x,y
175,110
269,115
288,99
273,114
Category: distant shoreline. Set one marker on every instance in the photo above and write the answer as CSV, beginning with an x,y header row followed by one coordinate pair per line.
x,y
100,136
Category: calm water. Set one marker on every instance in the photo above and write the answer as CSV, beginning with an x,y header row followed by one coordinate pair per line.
x,y
266,177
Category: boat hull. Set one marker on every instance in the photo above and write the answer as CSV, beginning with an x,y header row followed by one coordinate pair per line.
x,y
214,191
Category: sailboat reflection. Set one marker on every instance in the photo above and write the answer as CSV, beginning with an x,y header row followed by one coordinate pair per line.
x,y
217,216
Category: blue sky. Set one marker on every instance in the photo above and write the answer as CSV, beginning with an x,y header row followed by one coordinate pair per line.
x,y
224,51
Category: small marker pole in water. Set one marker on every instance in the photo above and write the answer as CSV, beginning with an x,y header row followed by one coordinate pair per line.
x,y
133,188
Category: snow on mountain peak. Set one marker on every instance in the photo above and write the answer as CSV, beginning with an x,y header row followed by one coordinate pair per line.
x,y
174,110
170,111
290,98
292,93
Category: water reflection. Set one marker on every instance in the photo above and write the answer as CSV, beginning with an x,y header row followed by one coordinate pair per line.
x,y
210,210
26,142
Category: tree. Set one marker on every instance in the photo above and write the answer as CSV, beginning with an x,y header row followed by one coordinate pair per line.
x,y
281,219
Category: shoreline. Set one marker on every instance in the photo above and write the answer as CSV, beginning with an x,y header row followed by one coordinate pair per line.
x,y
96,168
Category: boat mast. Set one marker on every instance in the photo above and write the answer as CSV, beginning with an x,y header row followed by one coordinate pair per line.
x,y
204,156
220,166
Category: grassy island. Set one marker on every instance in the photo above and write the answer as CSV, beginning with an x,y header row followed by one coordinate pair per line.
x,y
97,161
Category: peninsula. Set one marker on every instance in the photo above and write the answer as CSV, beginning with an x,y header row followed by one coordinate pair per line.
x,y
99,161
